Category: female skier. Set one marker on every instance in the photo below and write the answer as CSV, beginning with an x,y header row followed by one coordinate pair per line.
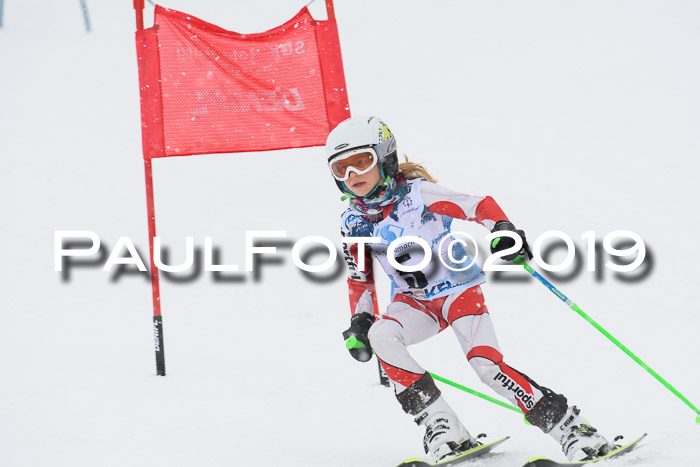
x,y
387,201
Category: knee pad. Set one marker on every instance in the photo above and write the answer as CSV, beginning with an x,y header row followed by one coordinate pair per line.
x,y
419,395
548,410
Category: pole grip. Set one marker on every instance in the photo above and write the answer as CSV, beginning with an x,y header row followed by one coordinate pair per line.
x,y
353,343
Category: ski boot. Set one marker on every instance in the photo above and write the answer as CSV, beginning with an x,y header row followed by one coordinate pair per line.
x,y
579,440
445,436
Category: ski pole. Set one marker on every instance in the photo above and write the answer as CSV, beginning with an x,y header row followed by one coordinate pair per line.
x,y
86,15
353,343
476,393
520,261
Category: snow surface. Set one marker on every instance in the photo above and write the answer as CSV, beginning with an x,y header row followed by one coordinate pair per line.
x,y
575,116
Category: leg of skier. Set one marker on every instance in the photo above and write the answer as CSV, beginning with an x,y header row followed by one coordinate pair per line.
x,y
407,322
543,408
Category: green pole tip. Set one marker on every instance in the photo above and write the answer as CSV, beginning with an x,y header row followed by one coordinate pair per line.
x,y
697,419
526,422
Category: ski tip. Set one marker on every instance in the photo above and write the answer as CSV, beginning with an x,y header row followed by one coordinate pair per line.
x,y
493,443
414,462
501,439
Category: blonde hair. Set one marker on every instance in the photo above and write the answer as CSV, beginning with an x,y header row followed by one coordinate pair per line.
x,y
412,170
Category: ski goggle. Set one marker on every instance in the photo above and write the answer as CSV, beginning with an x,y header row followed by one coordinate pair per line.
x,y
360,161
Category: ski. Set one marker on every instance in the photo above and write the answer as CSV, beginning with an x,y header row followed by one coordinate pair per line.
x,y
618,451
462,457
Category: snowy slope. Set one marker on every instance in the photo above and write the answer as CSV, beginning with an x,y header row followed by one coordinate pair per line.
x,y
575,116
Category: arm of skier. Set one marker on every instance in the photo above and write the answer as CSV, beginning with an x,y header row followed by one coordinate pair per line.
x,y
361,289
364,306
481,209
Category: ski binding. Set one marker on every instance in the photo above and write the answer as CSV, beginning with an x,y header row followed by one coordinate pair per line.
x,y
617,451
480,450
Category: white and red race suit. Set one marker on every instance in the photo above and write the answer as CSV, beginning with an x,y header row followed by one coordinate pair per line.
x,y
427,301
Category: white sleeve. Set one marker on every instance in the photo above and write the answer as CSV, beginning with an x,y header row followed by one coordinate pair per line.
x,y
481,209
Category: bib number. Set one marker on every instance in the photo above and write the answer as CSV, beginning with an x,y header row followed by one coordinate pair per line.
x,y
416,279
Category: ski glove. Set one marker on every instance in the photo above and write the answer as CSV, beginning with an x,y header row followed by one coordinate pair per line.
x,y
359,327
503,243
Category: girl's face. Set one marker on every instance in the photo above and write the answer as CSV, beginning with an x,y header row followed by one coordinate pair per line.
x,y
362,185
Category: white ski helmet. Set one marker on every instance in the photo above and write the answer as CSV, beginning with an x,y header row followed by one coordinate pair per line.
x,y
364,132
